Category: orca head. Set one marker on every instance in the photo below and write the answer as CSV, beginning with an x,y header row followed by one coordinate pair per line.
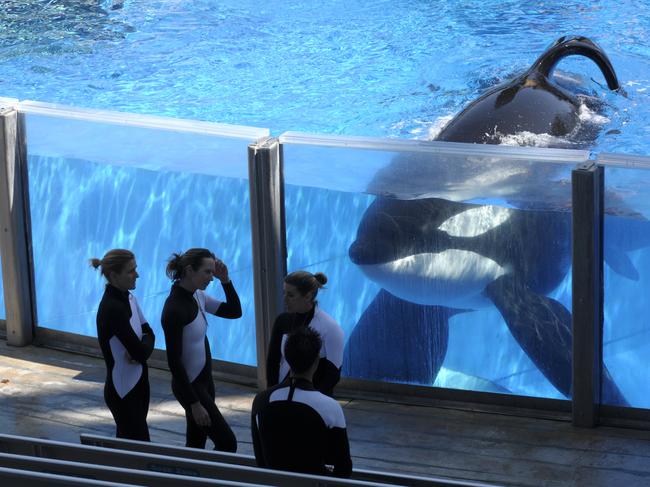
x,y
430,251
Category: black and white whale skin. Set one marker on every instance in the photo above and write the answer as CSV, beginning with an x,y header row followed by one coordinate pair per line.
x,y
434,257
532,102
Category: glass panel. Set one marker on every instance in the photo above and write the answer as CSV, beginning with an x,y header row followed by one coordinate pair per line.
x,y
4,103
103,180
626,335
444,260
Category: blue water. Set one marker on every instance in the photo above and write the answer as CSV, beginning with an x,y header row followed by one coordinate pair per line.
x,y
386,67
381,68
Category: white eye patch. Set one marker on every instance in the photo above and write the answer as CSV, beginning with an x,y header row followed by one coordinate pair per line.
x,y
475,221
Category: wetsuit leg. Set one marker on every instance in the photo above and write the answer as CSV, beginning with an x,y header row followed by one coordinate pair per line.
x,y
130,412
219,432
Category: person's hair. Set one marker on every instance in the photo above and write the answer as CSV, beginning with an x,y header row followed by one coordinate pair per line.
x,y
301,349
306,282
113,261
178,262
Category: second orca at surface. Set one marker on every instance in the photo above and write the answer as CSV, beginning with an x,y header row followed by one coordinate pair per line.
x,y
435,258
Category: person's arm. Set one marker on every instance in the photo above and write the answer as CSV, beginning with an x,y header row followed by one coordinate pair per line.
x,y
328,372
326,376
138,350
231,308
173,330
274,353
148,336
339,452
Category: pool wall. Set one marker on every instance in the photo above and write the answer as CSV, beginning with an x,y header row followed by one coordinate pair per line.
x,y
98,180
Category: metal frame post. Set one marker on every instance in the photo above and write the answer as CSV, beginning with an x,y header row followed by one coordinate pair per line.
x,y
588,288
15,242
266,181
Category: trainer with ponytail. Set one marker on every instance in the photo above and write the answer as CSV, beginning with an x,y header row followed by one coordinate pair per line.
x,y
188,350
302,310
126,341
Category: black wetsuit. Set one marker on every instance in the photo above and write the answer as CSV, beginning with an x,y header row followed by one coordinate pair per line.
x,y
190,361
126,341
297,428
328,372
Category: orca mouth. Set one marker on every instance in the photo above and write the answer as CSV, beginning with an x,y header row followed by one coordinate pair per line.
x,y
365,252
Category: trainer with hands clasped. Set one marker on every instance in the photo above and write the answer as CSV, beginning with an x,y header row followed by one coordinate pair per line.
x,y
126,341
188,350
302,311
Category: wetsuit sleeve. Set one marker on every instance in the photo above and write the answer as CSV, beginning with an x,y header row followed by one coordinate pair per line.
x,y
339,452
174,344
328,373
326,376
137,350
274,353
148,336
231,309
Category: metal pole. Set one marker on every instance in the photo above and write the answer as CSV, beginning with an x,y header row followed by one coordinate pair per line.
x,y
587,313
269,241
15,242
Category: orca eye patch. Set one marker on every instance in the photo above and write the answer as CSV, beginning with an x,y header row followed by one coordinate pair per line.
x,y
475,221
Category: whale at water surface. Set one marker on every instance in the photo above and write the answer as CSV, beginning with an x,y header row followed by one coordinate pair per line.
x,y
531,102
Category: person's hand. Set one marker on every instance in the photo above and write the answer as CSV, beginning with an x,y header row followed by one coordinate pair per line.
x,y
221,271
200,415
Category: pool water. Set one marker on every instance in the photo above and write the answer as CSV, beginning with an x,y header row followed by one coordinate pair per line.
x,y
382,68
396,69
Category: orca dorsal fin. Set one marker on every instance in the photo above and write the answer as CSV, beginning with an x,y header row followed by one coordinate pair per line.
x,y
575,46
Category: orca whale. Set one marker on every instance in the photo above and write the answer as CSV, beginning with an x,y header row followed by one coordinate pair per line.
x,y
531,102
442,258
435,258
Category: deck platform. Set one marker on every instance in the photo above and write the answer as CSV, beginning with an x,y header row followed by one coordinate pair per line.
x,y
59,395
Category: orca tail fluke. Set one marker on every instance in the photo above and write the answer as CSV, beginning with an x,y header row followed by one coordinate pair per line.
x,y
575,46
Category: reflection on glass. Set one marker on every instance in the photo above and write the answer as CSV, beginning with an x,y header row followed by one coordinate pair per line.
x,y
626,334
80,209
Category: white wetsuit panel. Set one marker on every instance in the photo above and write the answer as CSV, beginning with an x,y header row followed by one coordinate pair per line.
x,y
331,335
126,372
194,335
325,406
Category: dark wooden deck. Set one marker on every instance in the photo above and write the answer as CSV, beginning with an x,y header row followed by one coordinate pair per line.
x,y
58,395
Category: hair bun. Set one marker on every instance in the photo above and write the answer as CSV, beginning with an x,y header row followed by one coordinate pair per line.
x,y
95,262
321,278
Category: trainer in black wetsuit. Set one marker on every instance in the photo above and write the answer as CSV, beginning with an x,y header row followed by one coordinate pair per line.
x,y
188,350
126,341
295,427
300,289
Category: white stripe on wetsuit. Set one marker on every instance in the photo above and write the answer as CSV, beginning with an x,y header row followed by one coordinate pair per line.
x,y
126,372
194,335
331,336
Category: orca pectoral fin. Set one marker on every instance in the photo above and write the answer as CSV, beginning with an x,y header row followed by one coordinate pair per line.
x,y
610,393
541,326
398,340
620,263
